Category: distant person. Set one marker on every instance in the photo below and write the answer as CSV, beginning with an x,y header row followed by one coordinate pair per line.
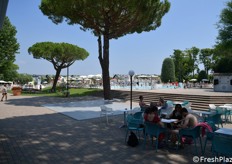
x,y
142,104
163,104
4,92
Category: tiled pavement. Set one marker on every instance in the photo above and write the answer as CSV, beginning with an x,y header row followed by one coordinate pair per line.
x,y
30,133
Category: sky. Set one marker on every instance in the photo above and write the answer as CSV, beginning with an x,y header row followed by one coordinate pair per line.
x,y
188,23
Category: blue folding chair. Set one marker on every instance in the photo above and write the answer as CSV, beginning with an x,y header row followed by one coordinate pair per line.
x,y
133,125
215,118
193,133
138,115
153,130
209,135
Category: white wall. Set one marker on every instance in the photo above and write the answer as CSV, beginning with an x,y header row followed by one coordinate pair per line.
x,y
223,83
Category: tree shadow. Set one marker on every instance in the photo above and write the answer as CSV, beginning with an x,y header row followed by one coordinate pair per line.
x,y
55,138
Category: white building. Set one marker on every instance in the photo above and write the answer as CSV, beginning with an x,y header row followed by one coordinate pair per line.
x,y
222,82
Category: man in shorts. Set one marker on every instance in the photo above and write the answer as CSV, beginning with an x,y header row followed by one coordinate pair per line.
x,y
4,92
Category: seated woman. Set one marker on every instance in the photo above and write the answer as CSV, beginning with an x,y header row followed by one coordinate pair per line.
x,y
151,115
176,114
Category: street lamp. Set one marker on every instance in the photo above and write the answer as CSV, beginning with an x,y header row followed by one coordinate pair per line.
x,y
131,73
67,94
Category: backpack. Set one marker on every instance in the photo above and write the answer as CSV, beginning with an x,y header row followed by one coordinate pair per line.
x,y
132,140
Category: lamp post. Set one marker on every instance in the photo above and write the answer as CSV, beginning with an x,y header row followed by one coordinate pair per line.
x,y
131,73
67,94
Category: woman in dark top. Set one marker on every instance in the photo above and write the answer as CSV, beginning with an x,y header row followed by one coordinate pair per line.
x,y
176,114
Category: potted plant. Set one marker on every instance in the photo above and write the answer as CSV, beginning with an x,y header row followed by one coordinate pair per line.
x,y
16,90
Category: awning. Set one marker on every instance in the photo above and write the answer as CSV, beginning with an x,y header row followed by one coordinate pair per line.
x,y
192,80
2,82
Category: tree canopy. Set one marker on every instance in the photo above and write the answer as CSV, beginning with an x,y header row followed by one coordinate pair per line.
x,y
202,75
8,48
192,62
114,18
223,48
187,62
23,78
224,39
107,19
224,65
61,55
168,71
178,59
206,58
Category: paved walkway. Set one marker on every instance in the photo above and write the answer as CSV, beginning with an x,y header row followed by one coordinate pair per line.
x,y
188,91
30,133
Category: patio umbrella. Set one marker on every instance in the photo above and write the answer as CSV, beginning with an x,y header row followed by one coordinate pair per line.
x,y
193,80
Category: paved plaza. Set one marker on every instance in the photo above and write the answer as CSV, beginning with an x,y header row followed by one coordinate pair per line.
x,y
31,133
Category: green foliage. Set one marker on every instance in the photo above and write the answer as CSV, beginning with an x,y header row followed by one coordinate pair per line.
x,y
74,92
224,46
61,55
23,78
187,62
168,71
192,62
8,48
178,59
206,57
202,75
224,65
108,20
223,49
9,71
183,62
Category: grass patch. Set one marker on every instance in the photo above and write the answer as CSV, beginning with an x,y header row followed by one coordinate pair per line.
x,y
74,92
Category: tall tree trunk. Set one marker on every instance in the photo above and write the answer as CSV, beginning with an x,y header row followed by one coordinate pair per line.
x,y
56,79
104,61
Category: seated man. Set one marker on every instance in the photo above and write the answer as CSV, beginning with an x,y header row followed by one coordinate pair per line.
x,y
188,121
